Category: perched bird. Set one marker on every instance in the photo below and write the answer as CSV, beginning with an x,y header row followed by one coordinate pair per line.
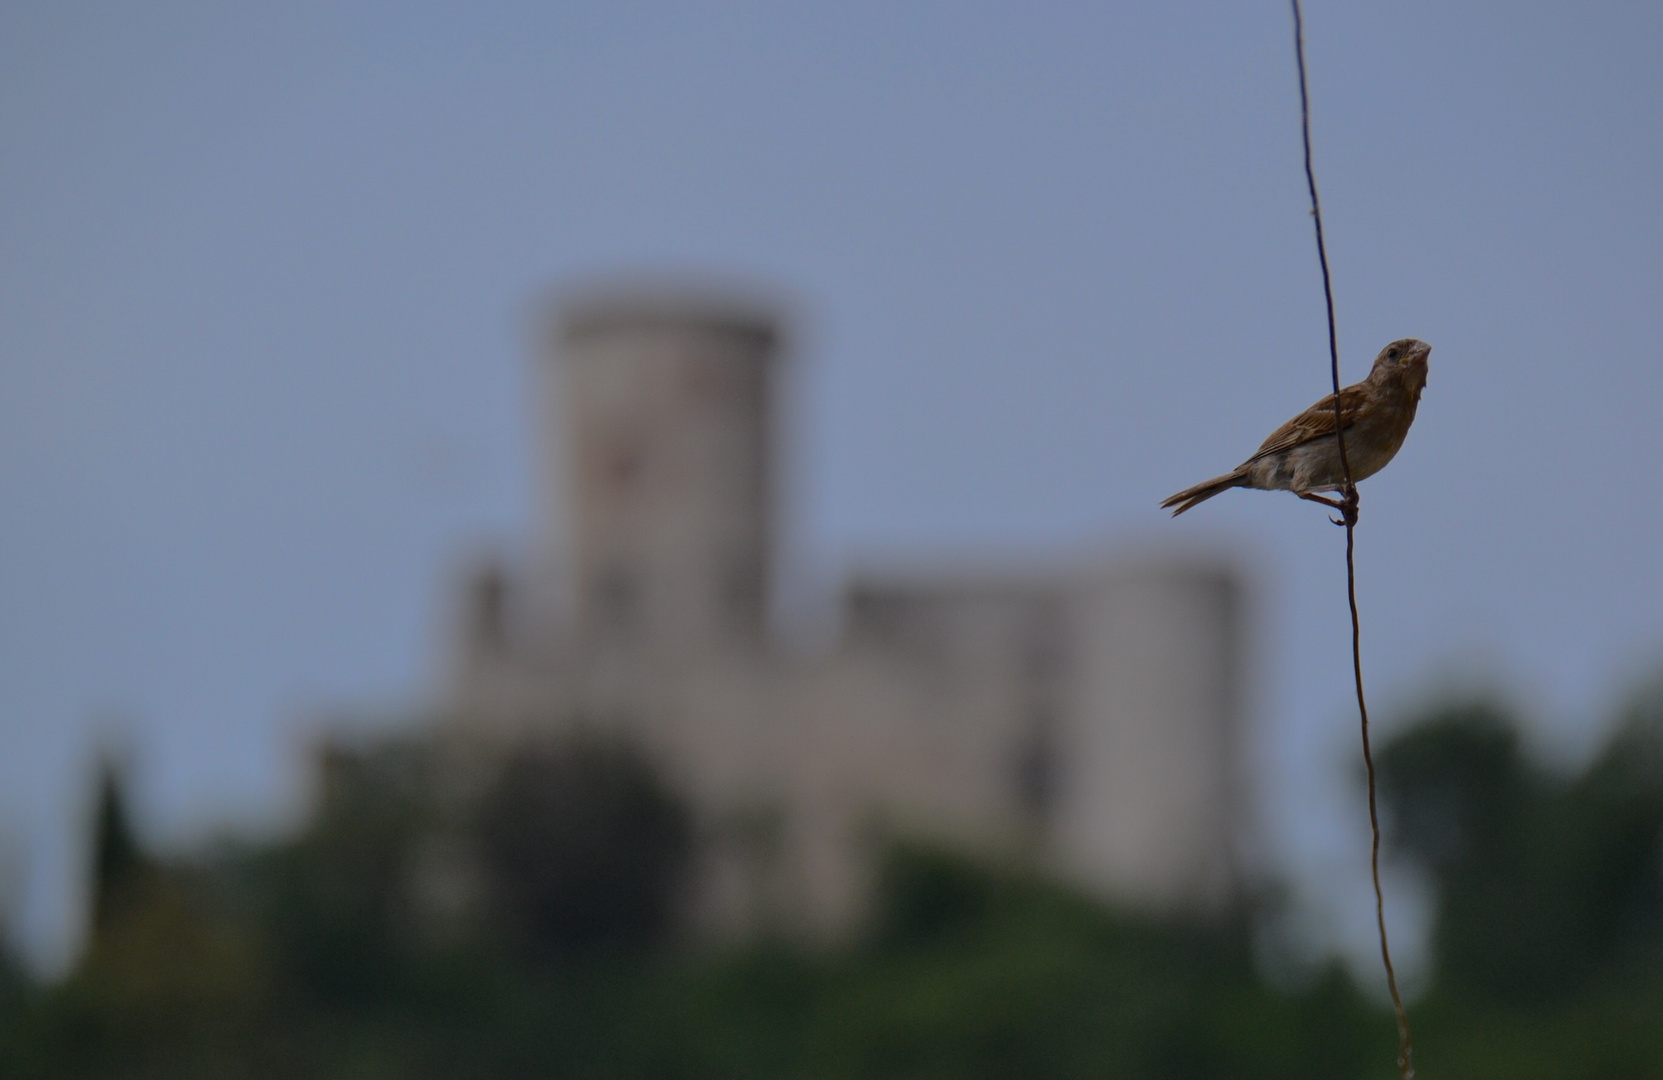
x,y
1302,456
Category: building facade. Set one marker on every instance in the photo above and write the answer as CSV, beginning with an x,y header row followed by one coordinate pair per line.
x,y
1087,719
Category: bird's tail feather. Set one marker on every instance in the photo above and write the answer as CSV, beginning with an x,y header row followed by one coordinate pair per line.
x,y
1200,493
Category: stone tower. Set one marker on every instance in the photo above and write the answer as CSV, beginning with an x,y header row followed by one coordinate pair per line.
x,y
1151,808
1085,715
666,413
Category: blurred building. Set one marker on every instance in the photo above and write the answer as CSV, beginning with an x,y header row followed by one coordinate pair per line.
x,y
1087,720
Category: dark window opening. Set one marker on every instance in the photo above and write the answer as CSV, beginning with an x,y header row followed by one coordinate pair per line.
x,y
1036,770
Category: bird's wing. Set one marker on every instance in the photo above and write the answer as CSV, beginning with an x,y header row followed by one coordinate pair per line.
x,y
1317,422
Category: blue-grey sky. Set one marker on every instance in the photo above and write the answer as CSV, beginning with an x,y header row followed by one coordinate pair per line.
x,y
267,275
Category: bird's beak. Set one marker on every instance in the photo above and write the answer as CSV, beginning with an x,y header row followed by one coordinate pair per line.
x,y
1418,360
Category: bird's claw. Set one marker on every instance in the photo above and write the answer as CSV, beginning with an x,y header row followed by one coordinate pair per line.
x,y
1348,509
1346,505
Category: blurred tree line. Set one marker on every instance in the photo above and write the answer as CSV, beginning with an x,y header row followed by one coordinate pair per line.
x,y
439,916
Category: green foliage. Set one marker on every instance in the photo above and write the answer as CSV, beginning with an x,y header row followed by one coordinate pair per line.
x,y
1547,884
333,901
315,957
120,870
583,848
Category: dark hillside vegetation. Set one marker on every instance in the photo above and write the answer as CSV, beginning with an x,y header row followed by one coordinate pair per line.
x,y
563,951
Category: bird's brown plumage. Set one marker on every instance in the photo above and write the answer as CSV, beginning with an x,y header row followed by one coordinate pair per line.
x,y
1302,455
1316,422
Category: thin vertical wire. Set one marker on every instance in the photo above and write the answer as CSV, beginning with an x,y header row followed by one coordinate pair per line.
x,y
1405,1047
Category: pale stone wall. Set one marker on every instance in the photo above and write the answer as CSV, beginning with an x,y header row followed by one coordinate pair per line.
x,y
666,412
1148,805
1087,719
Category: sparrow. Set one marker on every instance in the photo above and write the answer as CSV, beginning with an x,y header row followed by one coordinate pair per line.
x,y
1302,456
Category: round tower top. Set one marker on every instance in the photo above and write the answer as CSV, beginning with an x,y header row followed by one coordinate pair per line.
x,y
599,314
